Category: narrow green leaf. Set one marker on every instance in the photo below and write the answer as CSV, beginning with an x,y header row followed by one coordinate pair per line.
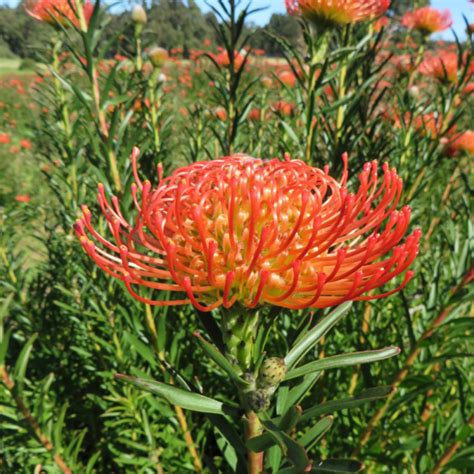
x,y
284,424
143,349
298,392
293,450
290,132
366,396
343,360
5,305
213,352
314,434
228,431
330,465
337,465
177,396
22,361
290,419
314,335
5,339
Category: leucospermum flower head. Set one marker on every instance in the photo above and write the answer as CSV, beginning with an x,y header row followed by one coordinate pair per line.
x,y
444,66
427,20
338,12
461,142
57,11
252,231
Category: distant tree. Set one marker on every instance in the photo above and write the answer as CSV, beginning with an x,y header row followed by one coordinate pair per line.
x,y
399,7
23,35
174,23
281,25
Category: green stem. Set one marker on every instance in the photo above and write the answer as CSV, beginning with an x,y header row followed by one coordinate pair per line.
x,y
138,45
239,328
406,144
318,49
68,154
99,112
154,110
342,90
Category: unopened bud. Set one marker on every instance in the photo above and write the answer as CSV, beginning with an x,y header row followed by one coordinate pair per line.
x,y
266,82
158,56
414,91
272,372
162,78
258,400
139,15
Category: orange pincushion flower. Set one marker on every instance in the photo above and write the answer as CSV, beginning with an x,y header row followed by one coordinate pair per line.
x,y
223,59
287,78
5,139
430,125
342,12
251,231
427,20
461,142
444,67
57,11
23,198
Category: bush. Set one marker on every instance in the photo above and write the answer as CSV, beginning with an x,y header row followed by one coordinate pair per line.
x,y
27,65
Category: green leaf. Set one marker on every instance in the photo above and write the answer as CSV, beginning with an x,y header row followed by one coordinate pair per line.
x,y
337,465
330,465
366,396
22,361
290,419
298,392
291,134
141,348
5,305
284,424
314,434
213,352
290,448
5,339
177,396
305,344
343,360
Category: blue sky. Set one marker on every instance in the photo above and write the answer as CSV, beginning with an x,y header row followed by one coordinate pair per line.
x,y
458,8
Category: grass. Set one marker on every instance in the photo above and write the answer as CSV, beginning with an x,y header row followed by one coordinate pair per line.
x,y
9,65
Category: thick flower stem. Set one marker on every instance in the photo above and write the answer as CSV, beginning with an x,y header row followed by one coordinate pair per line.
x,y
254,428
